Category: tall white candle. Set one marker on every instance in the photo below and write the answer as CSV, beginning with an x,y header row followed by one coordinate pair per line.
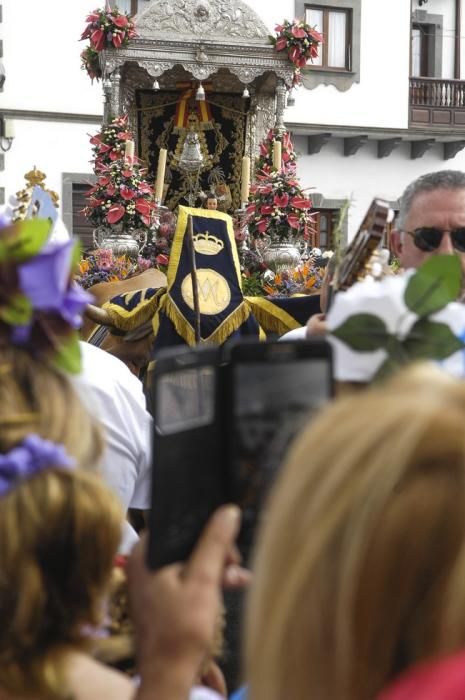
x,y
277,154
245,182
160,174
129,151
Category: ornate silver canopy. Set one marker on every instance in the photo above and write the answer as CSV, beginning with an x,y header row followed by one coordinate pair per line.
x,y
223,41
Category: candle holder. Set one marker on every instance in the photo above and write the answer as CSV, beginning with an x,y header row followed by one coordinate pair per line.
x,y
159,216
161,233
250,260
129,242
241,231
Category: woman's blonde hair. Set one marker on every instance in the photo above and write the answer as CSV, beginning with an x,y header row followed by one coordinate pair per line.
x,y
361,565
59,531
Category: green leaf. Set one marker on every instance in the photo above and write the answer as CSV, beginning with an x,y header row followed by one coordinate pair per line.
x,y
396,351
18,312
436,283
24,239
68,355
76,255
431,340
389,366
363,333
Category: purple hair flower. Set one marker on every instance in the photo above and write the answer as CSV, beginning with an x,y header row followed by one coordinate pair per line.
x,y
45,281
33,455
5,220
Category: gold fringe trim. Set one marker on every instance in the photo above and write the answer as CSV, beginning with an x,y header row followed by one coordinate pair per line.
x,y
183,328
156,316
125,320
270,317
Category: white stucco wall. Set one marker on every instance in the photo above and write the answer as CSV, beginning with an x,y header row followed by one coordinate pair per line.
x,y
43,73
41,57
54,148
363,176
381,97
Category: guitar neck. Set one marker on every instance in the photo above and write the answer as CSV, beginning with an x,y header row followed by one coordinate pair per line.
x,y
353,266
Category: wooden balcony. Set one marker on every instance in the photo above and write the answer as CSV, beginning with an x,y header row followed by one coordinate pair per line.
x,y
438,103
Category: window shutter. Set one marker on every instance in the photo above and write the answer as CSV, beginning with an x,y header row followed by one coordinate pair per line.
x,y
82,227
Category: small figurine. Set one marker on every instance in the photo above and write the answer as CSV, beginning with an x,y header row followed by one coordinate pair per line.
x,y
211,201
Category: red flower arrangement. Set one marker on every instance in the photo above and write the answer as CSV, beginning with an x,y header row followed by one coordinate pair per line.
x,y
264,162
106,28
279,208
90,63
300,41
110,143
121,195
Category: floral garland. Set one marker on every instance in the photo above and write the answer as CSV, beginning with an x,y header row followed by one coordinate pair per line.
x,y
306,278
102,266
91,64
300,41
109,144
121,194
279,208
264,162
158,247
106,28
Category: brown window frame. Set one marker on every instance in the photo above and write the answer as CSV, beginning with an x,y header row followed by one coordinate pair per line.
x,y
331,216
82,228
426,48
324,46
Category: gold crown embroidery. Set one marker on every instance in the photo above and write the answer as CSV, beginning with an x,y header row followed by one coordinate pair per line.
x,y
207,244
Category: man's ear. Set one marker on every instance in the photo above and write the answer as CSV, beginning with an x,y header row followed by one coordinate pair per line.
x,y
396,242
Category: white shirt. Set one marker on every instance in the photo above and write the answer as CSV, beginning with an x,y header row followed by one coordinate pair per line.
x,y
115,397
295,334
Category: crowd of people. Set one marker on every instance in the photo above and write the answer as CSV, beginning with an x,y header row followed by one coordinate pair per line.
x,y
357,584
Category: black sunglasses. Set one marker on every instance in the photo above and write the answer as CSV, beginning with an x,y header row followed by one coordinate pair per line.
x,y
429,239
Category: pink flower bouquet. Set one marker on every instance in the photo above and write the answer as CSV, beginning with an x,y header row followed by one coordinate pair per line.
x,y
300,41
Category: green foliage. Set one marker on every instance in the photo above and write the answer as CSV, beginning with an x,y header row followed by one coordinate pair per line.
x,y
24,240
430,339
68,355
252,285
18,312
434,285
363,333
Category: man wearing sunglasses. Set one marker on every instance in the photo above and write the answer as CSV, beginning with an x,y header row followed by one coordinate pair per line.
x,y
431,219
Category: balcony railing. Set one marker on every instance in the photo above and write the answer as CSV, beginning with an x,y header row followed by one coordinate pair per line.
x,y
437,102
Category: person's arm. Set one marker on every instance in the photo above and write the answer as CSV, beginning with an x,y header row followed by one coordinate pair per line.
x,y
316,326
175,609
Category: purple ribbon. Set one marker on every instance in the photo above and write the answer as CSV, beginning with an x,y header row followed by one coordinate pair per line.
x,y
33,455
44,279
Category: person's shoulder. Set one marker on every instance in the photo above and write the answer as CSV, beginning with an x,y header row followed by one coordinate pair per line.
x,y
91,680
100,367
440,679
93,357
295,334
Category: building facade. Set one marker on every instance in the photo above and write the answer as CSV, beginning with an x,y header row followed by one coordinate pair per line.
x,y
384,103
